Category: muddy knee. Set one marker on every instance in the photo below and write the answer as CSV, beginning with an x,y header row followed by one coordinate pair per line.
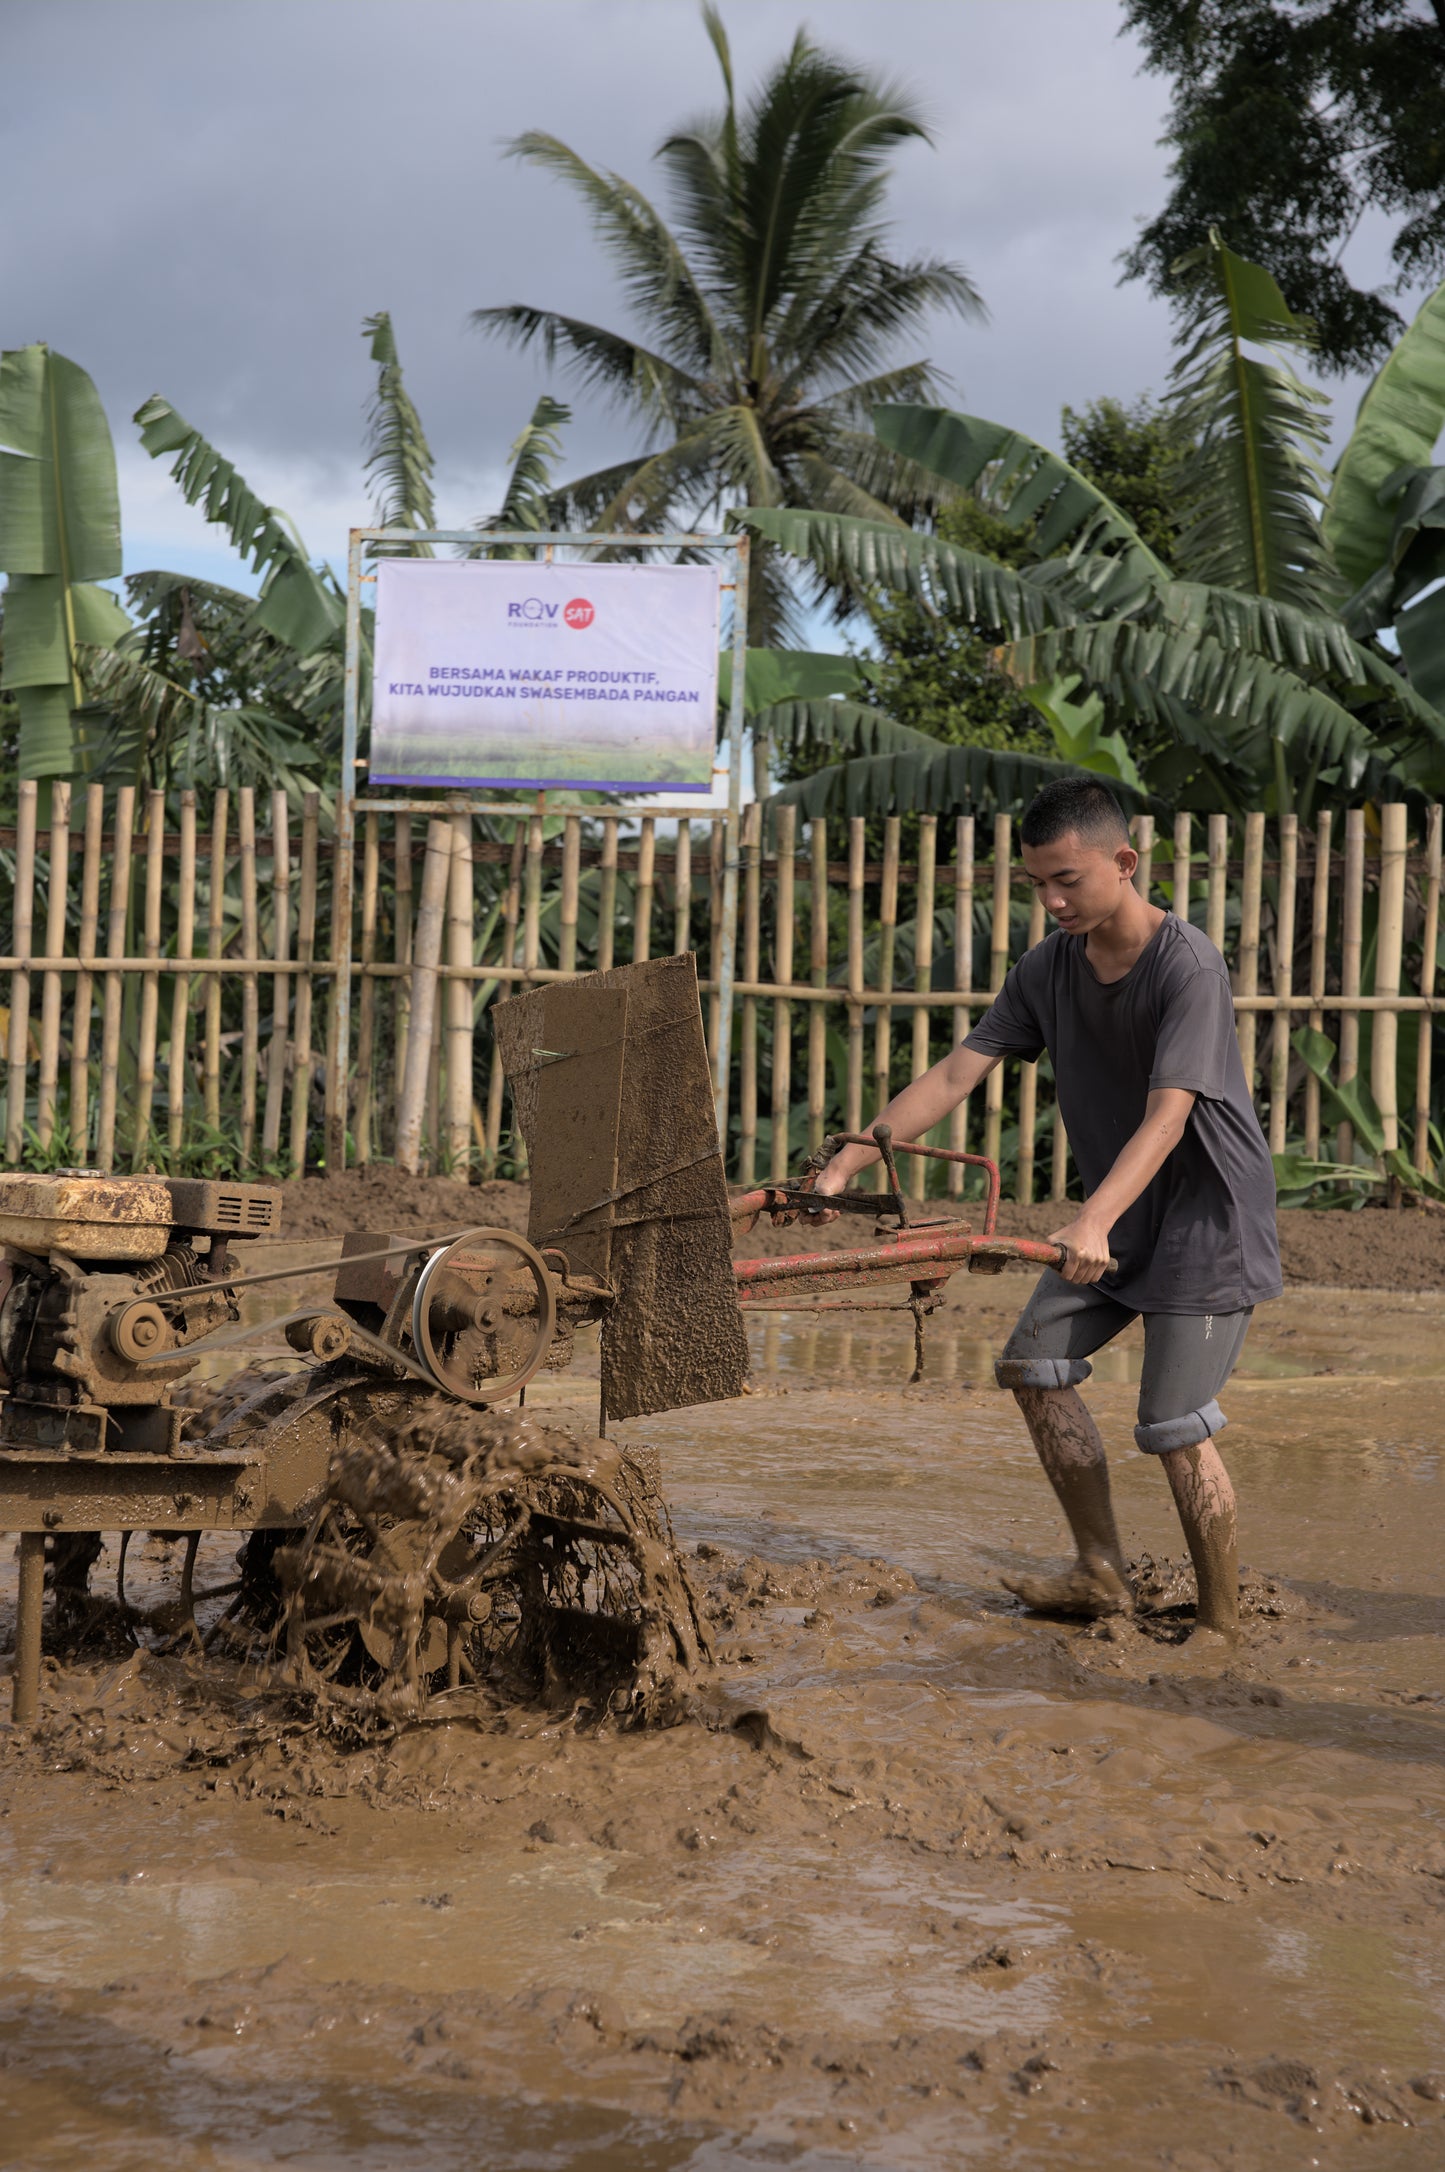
x,y
1040,1372
1161,1436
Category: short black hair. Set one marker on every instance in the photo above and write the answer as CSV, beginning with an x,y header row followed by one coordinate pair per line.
x,y
1082,804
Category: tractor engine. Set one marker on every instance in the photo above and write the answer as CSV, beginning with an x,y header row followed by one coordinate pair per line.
x,y
99,1273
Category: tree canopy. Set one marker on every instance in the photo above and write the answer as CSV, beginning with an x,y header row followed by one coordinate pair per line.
x,y
772,311
1291,119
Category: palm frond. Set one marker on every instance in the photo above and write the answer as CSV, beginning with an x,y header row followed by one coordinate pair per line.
x,y
866,554
628,372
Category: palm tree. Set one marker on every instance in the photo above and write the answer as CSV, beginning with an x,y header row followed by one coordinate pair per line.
x,y
773,309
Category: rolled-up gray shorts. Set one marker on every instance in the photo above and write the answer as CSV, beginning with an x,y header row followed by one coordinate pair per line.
x,y
1187,1357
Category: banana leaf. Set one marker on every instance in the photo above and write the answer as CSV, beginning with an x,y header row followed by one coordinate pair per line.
x,y
59,534
1399,422
296,605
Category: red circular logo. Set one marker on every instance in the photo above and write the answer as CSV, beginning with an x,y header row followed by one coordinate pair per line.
x,y
578,613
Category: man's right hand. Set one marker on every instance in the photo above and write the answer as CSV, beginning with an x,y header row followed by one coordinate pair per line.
x,y
833,1178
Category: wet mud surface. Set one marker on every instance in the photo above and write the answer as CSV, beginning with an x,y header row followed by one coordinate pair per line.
x,y
921,1881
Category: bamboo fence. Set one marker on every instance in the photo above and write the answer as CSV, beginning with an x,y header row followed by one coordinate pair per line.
x,y
204,959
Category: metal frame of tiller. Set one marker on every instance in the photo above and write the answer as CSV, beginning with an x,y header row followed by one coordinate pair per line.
x,y
925,1250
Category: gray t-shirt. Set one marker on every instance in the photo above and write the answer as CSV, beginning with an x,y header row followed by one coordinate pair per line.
x,y
1201,1237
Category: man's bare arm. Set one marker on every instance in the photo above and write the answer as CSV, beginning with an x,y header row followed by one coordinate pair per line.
x,y
915,1111
1166,1112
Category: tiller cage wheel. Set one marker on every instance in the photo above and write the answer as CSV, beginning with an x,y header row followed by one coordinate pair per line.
x,y
459,1551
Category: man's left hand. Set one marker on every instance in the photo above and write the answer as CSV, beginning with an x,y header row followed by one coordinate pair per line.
x,y
1087,1242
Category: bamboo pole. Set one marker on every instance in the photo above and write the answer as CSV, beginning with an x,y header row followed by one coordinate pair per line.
x,y
181,993
215,947
426,954
717,849
114,986
1029,1083
783,931
305,954
642,895
460,922
366,999
857,861
1251,891
1351,953
496,1080
571,887
1217,901
250,989
607,895
1283,982
532,896
1144,846
1319,957
751,849
150,991
963,872
401,949
1389,960
818,976
887,947
280,984
19,1048
56,898
337,1095
923,903
1430,943
85,980
1183,830
682,891
997,971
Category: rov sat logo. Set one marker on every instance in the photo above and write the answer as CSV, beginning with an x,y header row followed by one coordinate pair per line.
x,y
579,613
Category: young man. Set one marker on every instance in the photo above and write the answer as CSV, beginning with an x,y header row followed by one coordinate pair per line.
x,y
1133,1006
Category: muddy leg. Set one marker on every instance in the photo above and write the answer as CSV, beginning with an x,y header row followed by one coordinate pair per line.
x,y
1204,1498
1072,1454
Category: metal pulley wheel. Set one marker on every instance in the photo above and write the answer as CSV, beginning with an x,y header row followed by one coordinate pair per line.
x,y
484,1315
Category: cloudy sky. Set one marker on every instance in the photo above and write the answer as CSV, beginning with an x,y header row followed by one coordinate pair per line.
x,y
242,181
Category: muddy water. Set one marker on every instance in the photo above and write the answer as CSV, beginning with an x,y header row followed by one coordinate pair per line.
x,y
928,1884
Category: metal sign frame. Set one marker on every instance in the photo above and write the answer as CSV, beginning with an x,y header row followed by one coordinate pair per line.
x,y
350,802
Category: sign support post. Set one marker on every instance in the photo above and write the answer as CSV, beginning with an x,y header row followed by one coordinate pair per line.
x,y
404,540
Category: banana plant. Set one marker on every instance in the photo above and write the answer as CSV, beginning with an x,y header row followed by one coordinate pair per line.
x,y
59,536
1385,515
399,464
1300,1177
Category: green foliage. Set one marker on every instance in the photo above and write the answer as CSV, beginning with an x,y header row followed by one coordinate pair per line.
x,y
59,534
399,462
1253,477
1346,1101
528,501
297,606
1134,452
1231,696
1289,123
1397,427
770,313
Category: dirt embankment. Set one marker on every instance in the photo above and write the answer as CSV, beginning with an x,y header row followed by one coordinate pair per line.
x,y
1374,1249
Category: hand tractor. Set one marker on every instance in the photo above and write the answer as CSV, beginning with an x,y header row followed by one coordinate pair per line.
x,y
414,1529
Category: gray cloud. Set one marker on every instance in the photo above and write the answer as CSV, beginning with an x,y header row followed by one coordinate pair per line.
x,y
243,180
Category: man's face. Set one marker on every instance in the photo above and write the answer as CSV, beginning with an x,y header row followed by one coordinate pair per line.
x,y
1080,883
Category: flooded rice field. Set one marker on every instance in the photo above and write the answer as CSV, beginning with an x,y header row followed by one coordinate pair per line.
x,y
924,1882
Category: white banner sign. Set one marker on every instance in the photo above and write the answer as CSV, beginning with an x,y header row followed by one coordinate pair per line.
x,y
601,678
